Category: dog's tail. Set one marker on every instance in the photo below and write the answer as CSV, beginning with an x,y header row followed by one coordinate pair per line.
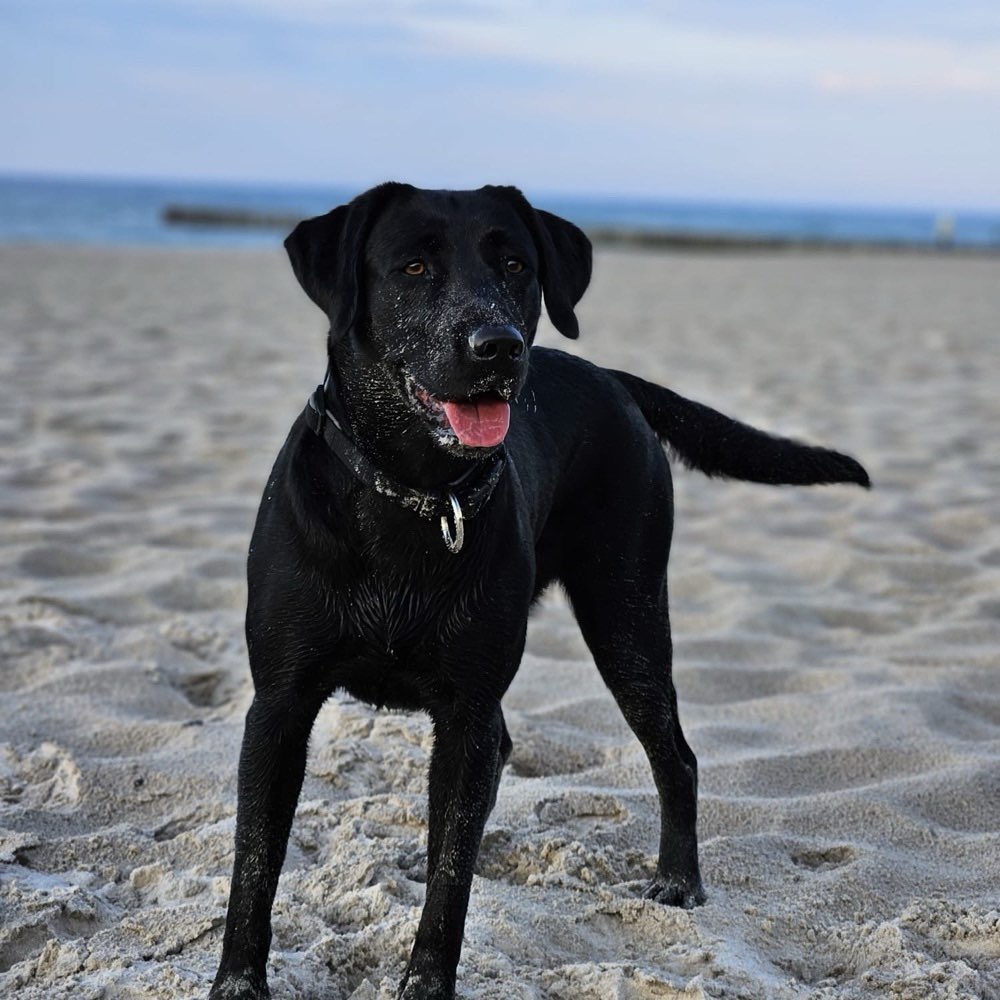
x,y
717,445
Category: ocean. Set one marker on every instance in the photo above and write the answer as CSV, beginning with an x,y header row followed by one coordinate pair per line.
x,y
115,212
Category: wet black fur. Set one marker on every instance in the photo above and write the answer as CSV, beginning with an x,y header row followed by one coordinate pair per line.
x,y
349,590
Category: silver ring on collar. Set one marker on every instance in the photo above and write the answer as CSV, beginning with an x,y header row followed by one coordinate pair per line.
x,y
454,542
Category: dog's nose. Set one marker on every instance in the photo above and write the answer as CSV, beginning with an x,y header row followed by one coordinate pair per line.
x,y
490,343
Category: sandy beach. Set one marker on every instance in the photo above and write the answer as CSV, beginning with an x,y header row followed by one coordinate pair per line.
x,y
836,652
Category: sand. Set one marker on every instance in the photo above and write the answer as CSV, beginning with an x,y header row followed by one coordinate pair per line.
x,y
836,652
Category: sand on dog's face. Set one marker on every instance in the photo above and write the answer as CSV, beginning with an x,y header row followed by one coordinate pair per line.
x,y
836,654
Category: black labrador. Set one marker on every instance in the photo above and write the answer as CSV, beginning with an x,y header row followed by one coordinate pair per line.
x,y
434,485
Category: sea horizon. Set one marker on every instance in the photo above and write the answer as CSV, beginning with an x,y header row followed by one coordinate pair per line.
x,y
96,210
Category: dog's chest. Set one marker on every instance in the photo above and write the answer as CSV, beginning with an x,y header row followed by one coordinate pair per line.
x,y
394,612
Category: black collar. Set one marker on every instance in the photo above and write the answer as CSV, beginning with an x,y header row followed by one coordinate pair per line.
x,y
459,500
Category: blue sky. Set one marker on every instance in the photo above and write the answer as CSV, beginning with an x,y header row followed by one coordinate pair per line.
x,y
867,102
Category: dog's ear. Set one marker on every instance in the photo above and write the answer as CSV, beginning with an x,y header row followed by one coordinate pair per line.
x,y
566,261
328,255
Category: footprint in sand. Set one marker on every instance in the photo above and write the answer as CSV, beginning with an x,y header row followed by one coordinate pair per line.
x,y
538,754
191,594
824,858
52,561
576,806
44,778
207,689
213,685
730,685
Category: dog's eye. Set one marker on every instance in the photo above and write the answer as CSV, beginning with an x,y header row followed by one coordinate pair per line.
x,y
415,268
513,265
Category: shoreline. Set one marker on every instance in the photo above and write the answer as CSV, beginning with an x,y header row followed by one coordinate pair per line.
x,y
209,217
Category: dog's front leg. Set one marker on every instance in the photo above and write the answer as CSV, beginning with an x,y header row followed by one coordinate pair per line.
x,y
470,745
272,766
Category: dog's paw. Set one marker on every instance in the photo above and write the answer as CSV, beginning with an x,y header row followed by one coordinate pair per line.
x,y
426,986
242,987
675,892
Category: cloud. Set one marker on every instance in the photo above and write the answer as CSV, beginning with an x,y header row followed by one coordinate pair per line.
x,y
927,81
634,45
639,42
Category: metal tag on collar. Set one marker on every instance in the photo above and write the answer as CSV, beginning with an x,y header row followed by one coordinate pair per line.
x,y
453,542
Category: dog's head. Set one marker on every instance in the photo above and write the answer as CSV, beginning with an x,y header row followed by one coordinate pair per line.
x,y
441,291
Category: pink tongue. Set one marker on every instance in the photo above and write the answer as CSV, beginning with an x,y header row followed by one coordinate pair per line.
x,y
482,424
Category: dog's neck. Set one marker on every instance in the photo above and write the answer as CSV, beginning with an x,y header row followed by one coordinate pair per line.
x,y
390,435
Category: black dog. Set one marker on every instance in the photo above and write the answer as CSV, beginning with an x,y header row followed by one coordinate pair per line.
x,y
430,491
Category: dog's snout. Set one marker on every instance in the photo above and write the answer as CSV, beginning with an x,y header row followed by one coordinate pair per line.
x,y
491,343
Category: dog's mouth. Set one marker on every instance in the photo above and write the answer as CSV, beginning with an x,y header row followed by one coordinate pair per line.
x,y
481,421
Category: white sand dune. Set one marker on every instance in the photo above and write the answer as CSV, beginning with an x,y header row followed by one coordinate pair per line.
x,y
836,653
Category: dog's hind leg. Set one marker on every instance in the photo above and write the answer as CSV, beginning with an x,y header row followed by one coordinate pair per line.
x,y
626,627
